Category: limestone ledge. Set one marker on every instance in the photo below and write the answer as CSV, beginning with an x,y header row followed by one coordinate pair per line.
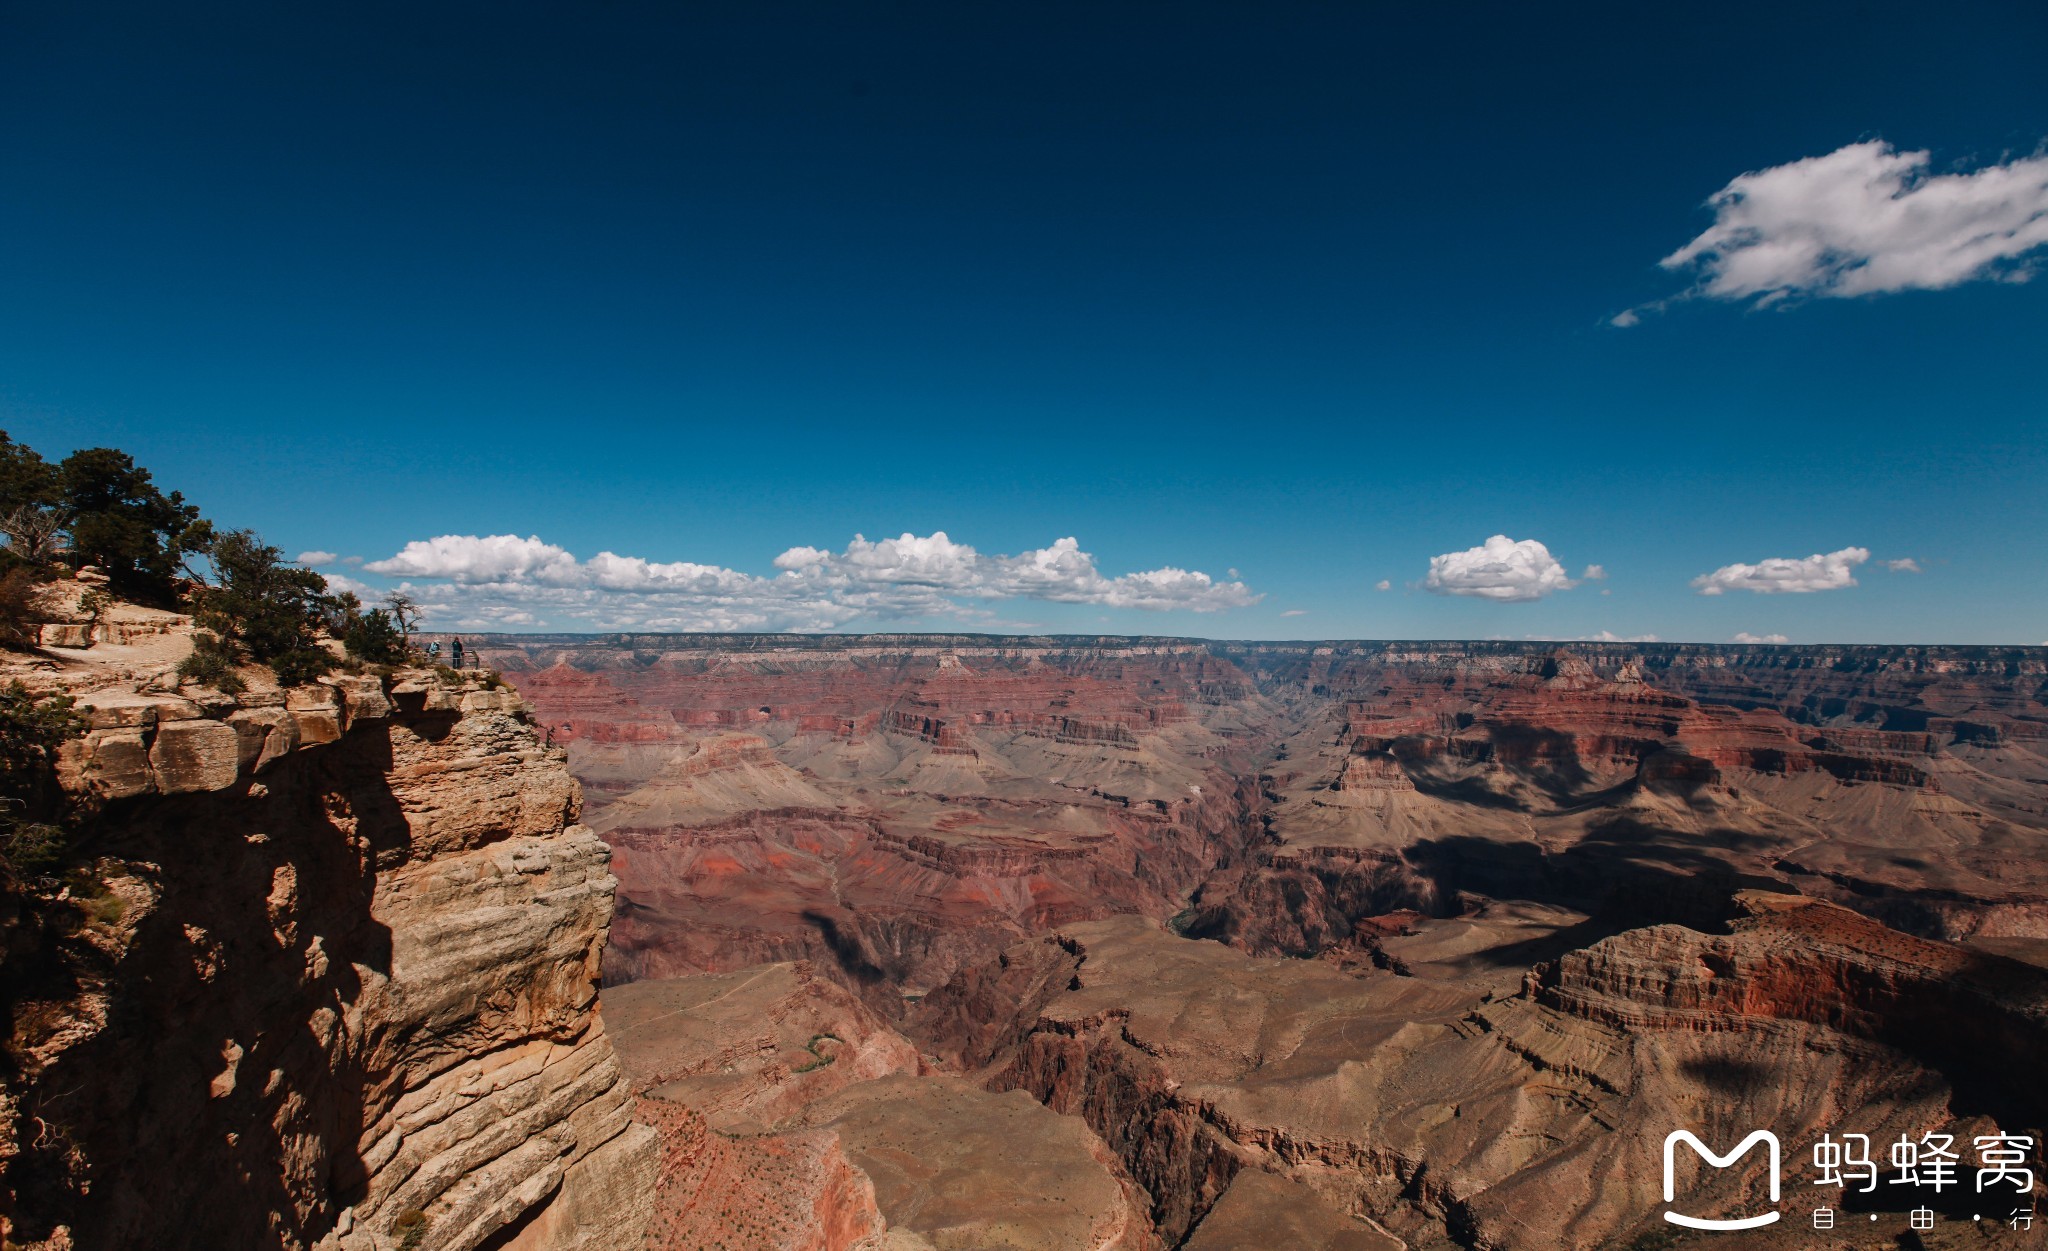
x,y
141,742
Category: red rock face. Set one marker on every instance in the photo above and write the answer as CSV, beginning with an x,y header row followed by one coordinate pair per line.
x,y
898,807
895,812
1419,776
1554,899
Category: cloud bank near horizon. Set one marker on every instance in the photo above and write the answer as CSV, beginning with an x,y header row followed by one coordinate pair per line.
x,y
502,580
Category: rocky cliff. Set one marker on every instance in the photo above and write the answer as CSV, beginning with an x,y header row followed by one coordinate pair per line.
x,y
331,981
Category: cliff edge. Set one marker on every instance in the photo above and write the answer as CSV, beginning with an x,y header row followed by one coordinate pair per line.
x,y
331,981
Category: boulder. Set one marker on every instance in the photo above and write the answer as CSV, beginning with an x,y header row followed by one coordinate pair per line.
x,y
194,756
317,710
118,764
363,697
263,736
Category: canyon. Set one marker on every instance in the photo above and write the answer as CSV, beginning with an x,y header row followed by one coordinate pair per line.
x,y
950,942
1379,945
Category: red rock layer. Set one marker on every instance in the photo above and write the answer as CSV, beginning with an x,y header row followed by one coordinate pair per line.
x,y
895,811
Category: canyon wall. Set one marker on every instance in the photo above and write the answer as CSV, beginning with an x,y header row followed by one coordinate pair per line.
x,y
331,981
894,810
1492,919
902,805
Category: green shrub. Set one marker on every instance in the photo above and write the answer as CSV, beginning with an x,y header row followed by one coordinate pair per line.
x,y
19,612
260,606
212,663
30,847
373,637
31,730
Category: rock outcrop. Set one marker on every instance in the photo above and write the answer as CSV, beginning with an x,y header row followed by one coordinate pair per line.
x,y
793,1118
338,990
1431,1110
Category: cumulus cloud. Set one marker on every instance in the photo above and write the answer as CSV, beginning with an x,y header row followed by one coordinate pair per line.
x,y
1593,573
1383,585
468,559
503,579
1498,569
317,558
339,582
1746,637
1820,572
1904,564
1295,612
1865,219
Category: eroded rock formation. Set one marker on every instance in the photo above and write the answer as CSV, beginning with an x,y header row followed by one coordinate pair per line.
x,y
1543,906
894,811
340,990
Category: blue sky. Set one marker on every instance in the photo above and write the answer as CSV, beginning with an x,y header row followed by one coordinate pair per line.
x,y
1313,293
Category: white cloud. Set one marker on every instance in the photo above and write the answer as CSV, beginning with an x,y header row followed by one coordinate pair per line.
x,y
1593,573
1865,219
1604,636
1904,564
1499,569
1295,612
506,580
339,582
316,558
1829,572
466,558
1383,585
1746,637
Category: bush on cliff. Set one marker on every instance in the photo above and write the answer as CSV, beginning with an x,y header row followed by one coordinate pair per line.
x,y
31,730
212,663
261,607
373,637
20,612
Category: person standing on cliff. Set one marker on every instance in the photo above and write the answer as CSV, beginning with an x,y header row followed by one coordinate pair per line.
x,y
458,653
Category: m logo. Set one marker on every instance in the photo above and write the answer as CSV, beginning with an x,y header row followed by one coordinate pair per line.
x,y
1686,1136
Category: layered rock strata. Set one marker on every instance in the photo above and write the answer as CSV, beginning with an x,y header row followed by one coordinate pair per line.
x,y
1428,1111
339,990
794,1118
893,811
